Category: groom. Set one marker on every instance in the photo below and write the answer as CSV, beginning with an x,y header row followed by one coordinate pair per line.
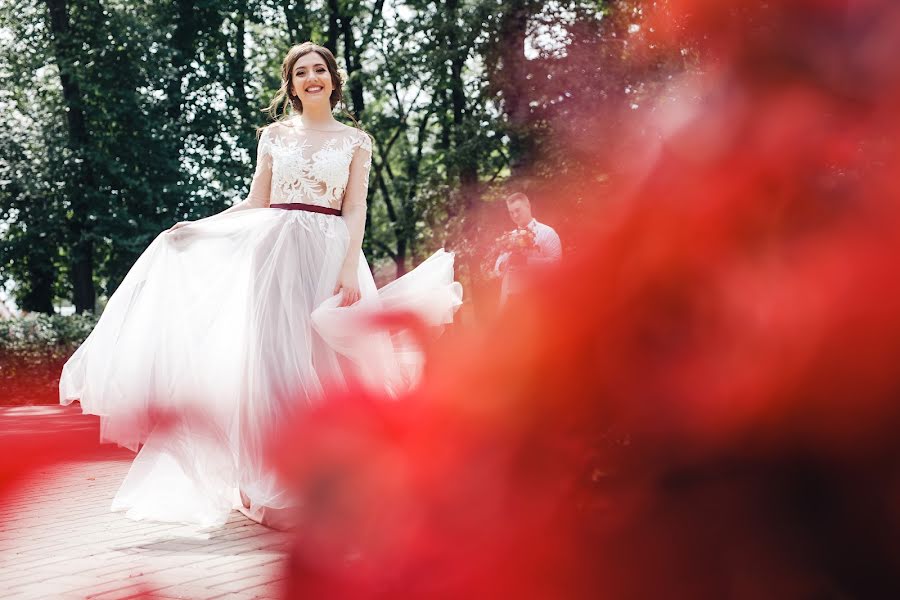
x,y
513,266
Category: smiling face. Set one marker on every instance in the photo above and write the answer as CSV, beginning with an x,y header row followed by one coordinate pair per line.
x,y
311,80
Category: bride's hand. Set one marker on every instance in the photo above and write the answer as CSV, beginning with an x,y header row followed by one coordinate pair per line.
x,y
177,225
347,286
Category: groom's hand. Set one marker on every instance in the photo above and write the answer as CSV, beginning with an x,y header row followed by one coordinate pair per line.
x,y
517,259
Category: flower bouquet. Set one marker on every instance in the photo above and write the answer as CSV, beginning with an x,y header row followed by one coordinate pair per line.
x,y
519,243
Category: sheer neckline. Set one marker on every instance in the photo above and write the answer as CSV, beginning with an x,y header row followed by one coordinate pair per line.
x,y
296,122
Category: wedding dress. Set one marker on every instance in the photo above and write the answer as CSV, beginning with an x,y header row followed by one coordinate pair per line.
x,y
231,322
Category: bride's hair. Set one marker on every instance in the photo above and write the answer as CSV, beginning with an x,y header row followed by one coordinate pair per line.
x,y
283,100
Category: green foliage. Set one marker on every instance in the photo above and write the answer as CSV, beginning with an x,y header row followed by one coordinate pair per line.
x,y
455,93
33,350
35,337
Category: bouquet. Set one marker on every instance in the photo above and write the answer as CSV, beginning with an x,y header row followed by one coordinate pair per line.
x,y
515,244
519,243
517,240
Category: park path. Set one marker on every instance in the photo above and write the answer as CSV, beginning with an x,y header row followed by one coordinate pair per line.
x,y
58,538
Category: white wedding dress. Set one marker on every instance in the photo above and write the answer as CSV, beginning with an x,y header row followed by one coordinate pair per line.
x,y
231,323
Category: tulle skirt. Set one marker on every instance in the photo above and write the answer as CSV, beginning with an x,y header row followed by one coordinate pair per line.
x,y
231,323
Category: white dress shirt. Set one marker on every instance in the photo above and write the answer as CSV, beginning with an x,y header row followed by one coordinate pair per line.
x,y
547,251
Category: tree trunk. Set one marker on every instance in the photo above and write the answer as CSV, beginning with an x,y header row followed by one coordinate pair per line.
x,y
400,258
334,15
184,43
352,60
41,275
465,159
184,48
82,250
510,78
351,56
296,17
238,64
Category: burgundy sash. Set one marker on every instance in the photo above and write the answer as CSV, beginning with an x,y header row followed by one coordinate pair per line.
x,y
325,210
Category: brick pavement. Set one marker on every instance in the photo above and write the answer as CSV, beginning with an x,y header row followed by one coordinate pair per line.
x,y
58,538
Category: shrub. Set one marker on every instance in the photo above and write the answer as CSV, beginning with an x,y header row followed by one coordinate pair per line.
x,y
33,350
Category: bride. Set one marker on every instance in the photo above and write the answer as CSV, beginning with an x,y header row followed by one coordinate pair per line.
x,y
235,322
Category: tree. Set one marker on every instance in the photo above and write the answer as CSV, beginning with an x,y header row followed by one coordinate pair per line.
x,y
130,117
84,181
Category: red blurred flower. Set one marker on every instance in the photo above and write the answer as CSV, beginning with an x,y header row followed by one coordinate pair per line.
x,y
702,403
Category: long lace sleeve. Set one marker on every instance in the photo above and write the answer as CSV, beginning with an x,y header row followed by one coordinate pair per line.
x,y
353,206
261,186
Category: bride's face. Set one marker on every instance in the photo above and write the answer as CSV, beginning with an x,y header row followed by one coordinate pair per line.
x,y
310,80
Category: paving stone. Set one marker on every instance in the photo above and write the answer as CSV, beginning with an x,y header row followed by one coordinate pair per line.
x,y
58,538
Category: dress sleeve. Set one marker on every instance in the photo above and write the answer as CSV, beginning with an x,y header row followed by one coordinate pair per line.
x,y
261,186
358,180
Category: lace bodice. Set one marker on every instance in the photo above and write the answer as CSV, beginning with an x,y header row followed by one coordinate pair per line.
x,y
325,168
